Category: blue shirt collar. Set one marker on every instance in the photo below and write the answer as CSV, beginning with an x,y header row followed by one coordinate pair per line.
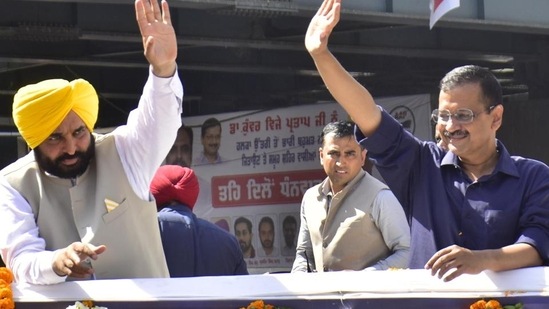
x,y
505,163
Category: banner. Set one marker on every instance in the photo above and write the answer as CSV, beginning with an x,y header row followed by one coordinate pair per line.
x,y
439,8
269,158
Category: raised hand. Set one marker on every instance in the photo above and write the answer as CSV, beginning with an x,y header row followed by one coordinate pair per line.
x,y
159,40
321,26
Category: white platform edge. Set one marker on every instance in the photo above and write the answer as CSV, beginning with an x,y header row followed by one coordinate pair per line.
x,y
340,285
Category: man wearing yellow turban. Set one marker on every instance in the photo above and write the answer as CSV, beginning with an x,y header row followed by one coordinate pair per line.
x,y
78,205
40,108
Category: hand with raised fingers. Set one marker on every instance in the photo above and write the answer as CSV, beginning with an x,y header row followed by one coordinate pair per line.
x,y
158,34
71,261
321,26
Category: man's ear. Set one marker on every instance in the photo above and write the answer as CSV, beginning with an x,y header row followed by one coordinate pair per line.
x,y
320,155
497,116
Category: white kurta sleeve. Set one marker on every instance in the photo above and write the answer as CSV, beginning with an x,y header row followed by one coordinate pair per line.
x,y
150,132
21,247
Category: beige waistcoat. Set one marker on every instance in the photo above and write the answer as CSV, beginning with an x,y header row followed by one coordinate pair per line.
x,y
64,212
345,238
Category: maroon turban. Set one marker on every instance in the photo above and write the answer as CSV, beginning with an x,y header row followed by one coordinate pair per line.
x,y
175,183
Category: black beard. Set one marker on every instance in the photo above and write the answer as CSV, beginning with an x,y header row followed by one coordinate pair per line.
x,y
55,168
266,244
244,246
289,242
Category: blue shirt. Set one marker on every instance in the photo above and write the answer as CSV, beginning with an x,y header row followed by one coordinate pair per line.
x,y
444,207
196,247
202,160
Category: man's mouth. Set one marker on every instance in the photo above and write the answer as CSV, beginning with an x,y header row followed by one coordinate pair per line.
x,y
456,134
70,161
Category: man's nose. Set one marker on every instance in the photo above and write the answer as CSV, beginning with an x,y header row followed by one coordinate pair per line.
x,y
70,146
451,123
341,160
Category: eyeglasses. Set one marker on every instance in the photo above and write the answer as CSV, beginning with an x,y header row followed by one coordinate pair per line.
x,y
461,116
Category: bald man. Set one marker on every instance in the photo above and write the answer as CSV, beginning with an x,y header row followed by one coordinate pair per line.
x,y
78,205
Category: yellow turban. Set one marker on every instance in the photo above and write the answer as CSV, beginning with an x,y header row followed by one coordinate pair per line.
x,y
38,109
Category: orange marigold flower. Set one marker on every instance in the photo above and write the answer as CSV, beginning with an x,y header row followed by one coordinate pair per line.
x,y
258,304
6,293
7,303
6,275
479,304
493,304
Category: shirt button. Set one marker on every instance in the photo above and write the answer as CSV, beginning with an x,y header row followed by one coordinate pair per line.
x,y
460,233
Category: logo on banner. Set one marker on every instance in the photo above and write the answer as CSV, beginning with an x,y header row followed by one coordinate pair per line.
x,y
405,116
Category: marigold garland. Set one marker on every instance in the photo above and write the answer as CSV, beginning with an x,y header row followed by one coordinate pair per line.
x,y
7,303
6,275
6,294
